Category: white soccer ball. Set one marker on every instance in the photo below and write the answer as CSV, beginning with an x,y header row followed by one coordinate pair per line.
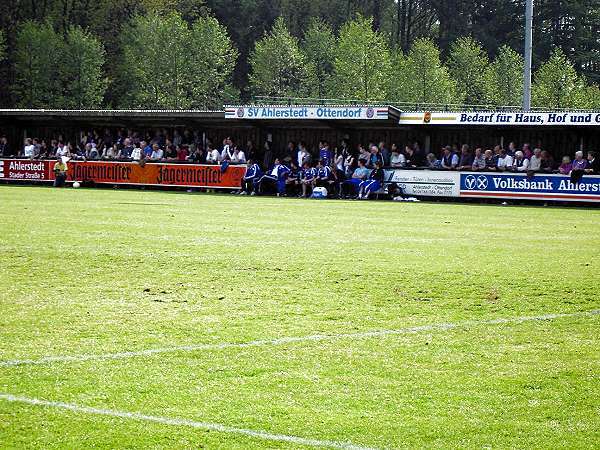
x,y
76,184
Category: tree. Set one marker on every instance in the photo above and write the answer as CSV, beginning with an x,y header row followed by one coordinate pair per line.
x,y
557,84
319,45
468,64
362,64
2,46
422,77
155,53
212,61
82,70
38,56
504,79
278,64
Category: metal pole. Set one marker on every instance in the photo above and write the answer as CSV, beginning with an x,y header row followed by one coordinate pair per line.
x,y
527,55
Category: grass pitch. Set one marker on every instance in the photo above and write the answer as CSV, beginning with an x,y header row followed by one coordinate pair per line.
x,y
97,272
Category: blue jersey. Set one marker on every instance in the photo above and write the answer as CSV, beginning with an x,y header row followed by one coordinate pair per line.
x,y
324,172
309,174
253,172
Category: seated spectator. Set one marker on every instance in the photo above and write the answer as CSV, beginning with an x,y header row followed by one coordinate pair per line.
x,y
93,152
183,153
361,174
566,166
527,153
373,183
5,150
109,152
433,162
307,177
137,154
449,159
504,160
397,159
171,153
238,156
593,167
547,162
520,163
535,162
251,177
490,161
125,152
478,160
28,149
374,157
157,153
197,156
466,158
212,155
146,148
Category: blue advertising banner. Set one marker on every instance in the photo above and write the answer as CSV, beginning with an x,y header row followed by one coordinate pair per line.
x,y
538,187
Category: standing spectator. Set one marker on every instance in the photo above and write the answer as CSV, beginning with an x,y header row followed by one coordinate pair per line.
x,y
385,154
547,162
449,159
535,162
28,149
325,153
375,156
566,166
349,165
593,167
520,163
433,163
504,160
490,161
363,153
157,153
4,148
512,149
302,156
478,160
268,155
466,158
250,151
397,159
60,172
527,153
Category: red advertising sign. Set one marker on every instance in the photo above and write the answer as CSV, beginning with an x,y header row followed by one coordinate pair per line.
x,y
114,172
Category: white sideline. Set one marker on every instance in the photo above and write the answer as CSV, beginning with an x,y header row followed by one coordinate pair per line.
x,y
289,340
184,423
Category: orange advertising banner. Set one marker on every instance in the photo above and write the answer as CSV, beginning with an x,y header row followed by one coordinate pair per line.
x,y
198,175
115,172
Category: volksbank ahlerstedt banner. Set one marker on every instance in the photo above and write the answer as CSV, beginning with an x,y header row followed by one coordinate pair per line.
x,y
307,112
501,118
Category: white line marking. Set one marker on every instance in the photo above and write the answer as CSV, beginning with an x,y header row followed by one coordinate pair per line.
x,y
287,340
184,423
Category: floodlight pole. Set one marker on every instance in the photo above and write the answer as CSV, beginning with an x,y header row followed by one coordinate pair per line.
x,y
527,55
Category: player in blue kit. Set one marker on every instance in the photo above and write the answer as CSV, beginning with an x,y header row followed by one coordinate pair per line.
x,y
251,178
307,178
275,176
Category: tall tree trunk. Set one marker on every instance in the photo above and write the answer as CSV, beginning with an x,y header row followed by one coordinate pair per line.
x,y
376,15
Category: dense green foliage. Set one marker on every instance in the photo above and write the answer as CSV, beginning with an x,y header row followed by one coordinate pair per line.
x,y
221,51
103,271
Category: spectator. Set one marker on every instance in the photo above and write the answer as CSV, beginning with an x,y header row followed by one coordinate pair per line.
x,y
512,149
212,155
578,167
4,148
325,153
28,149
466,158
157,153
183,153
238,156
363,153
478,160
566,166
146,148
348,165
197,156
520,163
535,162
171,153
527,153
593,167
375,156
361,174
109,152
137,154
93,153
397,159
250,151
504,160
449,159
268,154
490,161
302,156
547,162
385,154
60,172
373,183
432,162
125,152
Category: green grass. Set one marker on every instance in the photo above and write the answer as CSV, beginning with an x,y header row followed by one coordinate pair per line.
x,y
100,271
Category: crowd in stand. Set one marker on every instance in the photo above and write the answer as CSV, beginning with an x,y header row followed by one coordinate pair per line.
x,y
296,169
